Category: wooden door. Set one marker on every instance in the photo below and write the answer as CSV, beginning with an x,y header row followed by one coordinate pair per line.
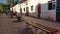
x,y
27,11
39,10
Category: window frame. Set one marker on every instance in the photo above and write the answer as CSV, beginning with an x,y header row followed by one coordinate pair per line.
x,y
32,8
53,5
24,9
49,5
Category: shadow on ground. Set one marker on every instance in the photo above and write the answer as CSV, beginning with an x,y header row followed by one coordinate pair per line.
x,y
26,31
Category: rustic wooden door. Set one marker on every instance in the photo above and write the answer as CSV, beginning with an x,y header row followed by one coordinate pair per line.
x,y
39,10
27,11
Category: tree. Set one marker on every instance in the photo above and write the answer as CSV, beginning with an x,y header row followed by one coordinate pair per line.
x,y
2,7
10,3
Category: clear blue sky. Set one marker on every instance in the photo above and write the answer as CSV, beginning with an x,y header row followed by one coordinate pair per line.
x,y
4,1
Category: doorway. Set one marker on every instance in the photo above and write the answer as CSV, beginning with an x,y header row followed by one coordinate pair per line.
x,y
39,10
27,11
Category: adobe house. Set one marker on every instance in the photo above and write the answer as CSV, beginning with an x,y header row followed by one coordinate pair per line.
x,y
46,9
16,8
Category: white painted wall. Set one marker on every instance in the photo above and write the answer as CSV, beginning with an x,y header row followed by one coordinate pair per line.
x,y
45,13
16,8
23,6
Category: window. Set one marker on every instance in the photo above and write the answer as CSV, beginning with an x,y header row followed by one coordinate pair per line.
x,y
31,8
27,9
24,9
51,5
52,0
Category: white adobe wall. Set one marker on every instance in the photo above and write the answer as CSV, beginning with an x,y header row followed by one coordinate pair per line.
x,y
32,3
45,13
16,8
23,5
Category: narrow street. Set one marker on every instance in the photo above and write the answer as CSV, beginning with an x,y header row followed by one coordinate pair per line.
x,y
7,26
29,16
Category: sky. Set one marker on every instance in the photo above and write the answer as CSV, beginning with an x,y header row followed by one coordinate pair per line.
x,y
4,1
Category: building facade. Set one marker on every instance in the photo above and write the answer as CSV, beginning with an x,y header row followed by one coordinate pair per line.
x,y
46,9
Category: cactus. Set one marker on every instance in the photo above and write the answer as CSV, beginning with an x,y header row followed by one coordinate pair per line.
x,y
18,18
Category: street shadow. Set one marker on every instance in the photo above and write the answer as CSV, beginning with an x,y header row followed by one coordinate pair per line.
x,y
26,31
16,21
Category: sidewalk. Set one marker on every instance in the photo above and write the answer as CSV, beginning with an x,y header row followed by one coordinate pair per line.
x,y
43,22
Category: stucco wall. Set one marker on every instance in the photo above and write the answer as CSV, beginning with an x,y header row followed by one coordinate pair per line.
x,y
48,14
45,13
16,8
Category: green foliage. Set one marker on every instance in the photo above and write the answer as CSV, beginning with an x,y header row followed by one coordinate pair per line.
x,y
10,3
2,7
